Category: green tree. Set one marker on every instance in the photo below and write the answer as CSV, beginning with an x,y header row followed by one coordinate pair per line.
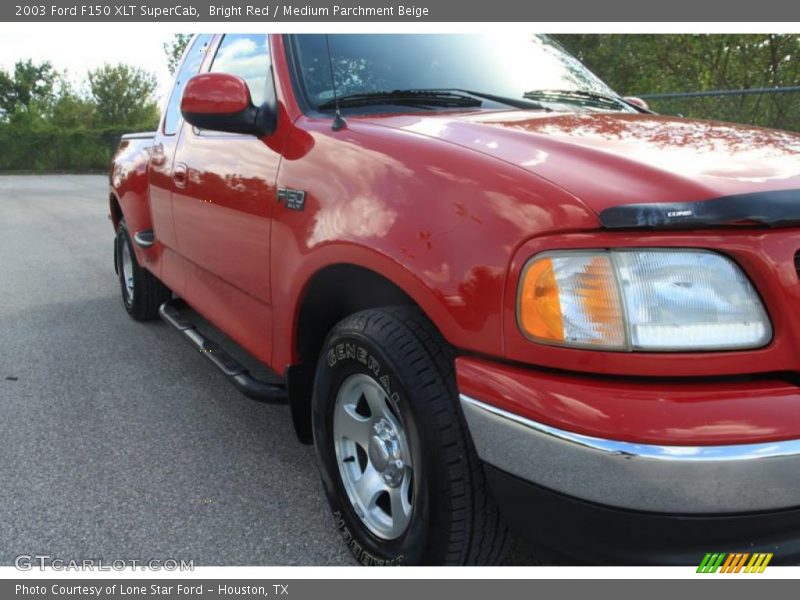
x,y
71,110
31,84
642,64
124,96
174,50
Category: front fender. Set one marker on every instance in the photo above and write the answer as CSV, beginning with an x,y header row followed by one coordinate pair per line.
x,y
438,220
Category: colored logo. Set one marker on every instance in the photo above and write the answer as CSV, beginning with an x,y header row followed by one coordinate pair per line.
x,y
734,563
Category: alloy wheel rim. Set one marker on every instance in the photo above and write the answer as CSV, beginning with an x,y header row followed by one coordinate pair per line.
x,y
373,456
127,270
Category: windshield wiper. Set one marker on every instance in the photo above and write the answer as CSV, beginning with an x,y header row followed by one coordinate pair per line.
x,y
577,95
404,97
513,102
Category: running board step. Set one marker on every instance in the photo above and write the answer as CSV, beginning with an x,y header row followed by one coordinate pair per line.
x,y
240,377
144,238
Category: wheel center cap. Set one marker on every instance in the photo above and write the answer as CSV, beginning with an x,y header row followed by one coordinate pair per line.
x,y
385,453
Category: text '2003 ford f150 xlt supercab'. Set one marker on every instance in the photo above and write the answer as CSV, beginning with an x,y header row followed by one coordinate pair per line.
x,y
494,292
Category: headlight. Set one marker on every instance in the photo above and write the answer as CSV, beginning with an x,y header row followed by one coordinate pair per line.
x,y
644,299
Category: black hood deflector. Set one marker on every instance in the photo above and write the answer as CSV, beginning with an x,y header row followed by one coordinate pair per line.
x,y
773,209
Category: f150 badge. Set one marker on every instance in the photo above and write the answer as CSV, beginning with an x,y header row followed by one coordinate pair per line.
x,y
293,199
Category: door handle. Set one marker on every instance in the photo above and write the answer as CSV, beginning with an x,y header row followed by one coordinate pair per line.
x,y
157,156
180,175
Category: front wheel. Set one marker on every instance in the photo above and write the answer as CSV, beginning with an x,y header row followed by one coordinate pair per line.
x,y
398,466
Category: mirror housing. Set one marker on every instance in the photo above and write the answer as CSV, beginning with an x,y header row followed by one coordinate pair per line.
x,y
637,102
222,102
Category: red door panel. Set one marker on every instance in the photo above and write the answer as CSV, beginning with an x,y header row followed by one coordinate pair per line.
x,y
222,207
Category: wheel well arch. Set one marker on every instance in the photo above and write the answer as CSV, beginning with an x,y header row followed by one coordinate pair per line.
x,y
332,293
335,292
115,210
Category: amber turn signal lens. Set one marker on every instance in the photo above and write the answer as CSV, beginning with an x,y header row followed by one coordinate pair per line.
x,y
572,299
540,306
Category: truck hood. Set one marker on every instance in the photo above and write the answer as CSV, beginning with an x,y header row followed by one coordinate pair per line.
x,y
610,159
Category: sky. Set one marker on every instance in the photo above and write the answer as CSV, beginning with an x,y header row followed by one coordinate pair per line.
x,y
78,54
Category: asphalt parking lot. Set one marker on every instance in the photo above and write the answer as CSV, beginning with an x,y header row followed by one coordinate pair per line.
x,y
117,441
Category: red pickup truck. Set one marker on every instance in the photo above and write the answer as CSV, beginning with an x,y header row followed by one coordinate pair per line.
x,y
493,291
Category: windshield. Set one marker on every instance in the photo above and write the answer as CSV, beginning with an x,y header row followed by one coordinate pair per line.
x,y
506,66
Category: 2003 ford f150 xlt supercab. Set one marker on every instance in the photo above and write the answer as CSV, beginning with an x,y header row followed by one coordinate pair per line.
x,y
493,292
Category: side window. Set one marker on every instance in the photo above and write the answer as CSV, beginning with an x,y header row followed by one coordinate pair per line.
x,y
189,68
246,55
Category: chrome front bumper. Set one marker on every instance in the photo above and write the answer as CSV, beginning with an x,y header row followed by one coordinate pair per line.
x,y
665,479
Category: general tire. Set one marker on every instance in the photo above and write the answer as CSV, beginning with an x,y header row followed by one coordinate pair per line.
x,y
453,519
142,293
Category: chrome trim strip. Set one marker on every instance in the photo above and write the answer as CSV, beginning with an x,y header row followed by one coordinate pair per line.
x,y
655,452
674,479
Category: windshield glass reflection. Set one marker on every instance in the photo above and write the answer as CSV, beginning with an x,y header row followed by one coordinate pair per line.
x,y
503,65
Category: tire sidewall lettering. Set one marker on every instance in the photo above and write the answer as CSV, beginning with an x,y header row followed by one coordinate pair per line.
x,y
362,555
343,356
344,351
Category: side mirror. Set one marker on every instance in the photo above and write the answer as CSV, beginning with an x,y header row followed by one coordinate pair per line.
x,y
221,102
637,102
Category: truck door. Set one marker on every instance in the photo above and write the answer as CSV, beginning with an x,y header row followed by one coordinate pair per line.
x,y
222,207
162,153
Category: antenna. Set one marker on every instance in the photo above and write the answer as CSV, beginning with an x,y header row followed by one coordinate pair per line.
x,y
338,120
